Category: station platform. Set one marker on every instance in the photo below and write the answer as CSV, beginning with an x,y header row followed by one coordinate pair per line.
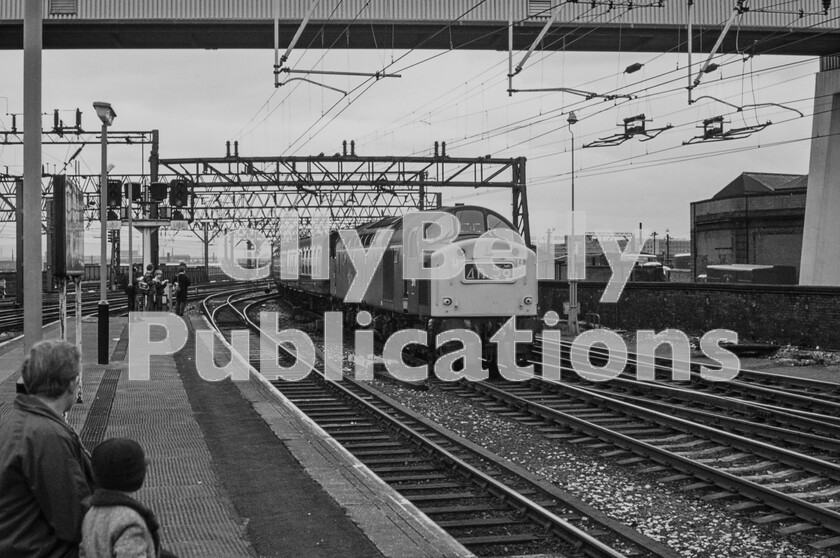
x,y
235,470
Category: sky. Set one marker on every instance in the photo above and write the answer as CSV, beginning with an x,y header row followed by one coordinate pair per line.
x,y
199,99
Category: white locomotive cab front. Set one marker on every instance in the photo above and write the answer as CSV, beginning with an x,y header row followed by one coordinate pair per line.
x,y
487,285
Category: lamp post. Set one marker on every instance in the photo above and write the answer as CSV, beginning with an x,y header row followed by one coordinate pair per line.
x,y
130,268
574,327
106,114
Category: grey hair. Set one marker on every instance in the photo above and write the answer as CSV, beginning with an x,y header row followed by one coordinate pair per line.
x,y
51,367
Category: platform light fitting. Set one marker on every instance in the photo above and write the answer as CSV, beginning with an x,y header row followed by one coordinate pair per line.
x,y
105,112
572,118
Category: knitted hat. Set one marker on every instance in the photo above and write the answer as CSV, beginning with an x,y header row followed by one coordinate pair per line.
x,y
119,464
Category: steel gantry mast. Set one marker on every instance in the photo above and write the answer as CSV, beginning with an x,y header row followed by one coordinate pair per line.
x,y
253,191
235,191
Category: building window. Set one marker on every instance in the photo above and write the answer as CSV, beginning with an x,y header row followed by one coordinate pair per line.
x,y
64,7
539,8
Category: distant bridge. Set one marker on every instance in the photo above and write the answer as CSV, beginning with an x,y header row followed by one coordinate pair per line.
x,y
430,24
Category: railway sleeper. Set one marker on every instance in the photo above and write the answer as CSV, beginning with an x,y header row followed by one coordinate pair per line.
x,y
385,445
381,470
772,518
725,459
632,460
797,528
795,484
561,435
784,473
442,496
831,491
501,539
427,486
350,440
702,452
481,522
719,496
680,445
696,486
343,432
412,478
385,451
441,510
823,544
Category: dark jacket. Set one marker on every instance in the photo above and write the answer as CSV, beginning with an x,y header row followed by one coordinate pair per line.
x,y
183,284
45,474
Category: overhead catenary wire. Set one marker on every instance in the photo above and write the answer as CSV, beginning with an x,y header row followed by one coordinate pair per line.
x,y
239,134
370,84
408,67
560,111
486,133
757,45
628,163
562,38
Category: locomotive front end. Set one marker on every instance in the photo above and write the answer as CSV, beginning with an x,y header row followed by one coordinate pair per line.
x,y
497,280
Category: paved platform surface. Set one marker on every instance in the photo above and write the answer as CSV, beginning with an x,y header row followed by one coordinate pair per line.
x,y
234,470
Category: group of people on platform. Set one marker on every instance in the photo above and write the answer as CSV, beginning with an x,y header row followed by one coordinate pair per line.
x,y
151,292
56,499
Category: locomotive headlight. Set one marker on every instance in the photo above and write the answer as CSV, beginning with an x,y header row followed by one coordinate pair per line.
x,y
447,301
527,301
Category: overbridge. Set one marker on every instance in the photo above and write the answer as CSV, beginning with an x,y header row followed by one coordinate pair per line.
x,y
806,27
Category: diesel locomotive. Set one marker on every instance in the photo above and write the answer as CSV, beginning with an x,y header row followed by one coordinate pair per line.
x,y
479,296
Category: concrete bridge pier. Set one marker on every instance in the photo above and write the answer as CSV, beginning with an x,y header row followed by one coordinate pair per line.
x,y
820,263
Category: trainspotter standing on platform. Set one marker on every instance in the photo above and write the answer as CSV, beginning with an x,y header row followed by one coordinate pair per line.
x,y
45,472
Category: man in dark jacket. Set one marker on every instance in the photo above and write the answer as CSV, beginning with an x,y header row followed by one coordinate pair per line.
x,y
183,283
131,287
45,472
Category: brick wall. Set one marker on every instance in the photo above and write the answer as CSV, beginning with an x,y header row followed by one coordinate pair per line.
x,y
797,315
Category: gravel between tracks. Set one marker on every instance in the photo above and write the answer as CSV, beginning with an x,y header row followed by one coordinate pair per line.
x,y
694,528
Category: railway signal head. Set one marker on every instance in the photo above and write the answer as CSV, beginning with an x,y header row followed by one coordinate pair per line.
x,y
114,193
134,190
157,191
179,193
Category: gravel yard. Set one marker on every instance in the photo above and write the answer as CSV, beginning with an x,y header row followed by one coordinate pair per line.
x,y
662,511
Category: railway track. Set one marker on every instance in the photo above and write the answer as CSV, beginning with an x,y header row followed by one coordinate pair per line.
x,y
776,389
11,318
489,505
696,436
795,424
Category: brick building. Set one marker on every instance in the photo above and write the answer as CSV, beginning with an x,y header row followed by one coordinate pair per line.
x,y
758,218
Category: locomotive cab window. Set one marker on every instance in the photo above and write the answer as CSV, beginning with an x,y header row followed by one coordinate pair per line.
x,y
494,222
472,221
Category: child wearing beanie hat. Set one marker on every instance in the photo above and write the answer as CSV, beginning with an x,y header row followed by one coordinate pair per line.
x,y
117,524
